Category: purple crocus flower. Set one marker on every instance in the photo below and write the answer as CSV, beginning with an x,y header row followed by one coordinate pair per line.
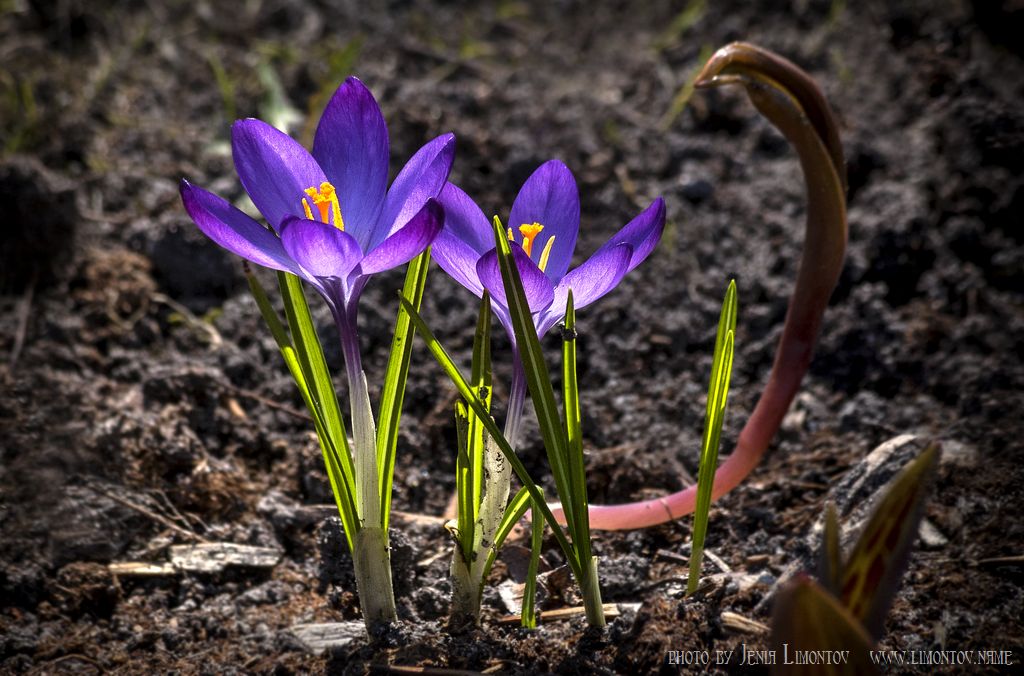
x,y
333,222
543,226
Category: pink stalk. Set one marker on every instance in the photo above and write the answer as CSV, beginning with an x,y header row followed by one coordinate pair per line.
x,y
790,99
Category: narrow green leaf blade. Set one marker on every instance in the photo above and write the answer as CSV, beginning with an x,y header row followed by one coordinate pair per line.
x,y
482,380
395,379
574,434
528,615
339,487
311,357
464,481
453,373
718,391
538,378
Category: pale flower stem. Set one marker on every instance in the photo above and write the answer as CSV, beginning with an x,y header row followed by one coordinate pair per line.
x,y
364,433
371,553
516,400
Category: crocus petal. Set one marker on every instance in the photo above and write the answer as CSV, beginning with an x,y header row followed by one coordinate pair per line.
x,y
408,242
233,230
321,249
539,290
458,259
420,179
550,197
642,233
465,221
274,169
351,145
598,275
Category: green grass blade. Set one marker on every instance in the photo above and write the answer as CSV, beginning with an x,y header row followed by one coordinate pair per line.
x,y
311,357
718,391
395,379
342,496
478,407
481,379
528,615
537,377
464,483
574,435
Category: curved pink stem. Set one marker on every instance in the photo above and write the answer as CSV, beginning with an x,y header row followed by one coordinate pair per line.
x,y
791,100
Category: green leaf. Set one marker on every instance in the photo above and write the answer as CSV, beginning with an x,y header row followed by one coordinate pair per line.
x,y
478,407
482,381
574,435
871,574
395,378
537,377
339,487
528,615
718,392
311,357
464,483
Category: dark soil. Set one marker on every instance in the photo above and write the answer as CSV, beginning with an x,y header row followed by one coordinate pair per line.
x,y
145,405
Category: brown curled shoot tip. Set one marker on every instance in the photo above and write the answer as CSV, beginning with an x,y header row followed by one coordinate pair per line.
x,y
763,71
795,105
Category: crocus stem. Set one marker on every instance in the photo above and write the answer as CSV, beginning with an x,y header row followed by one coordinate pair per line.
x,y
364,434
371,553
516,400
790,99
591,590
372,563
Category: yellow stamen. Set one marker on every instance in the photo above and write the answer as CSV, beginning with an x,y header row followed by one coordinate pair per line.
x,y
325,198
546,253
529,231
511,235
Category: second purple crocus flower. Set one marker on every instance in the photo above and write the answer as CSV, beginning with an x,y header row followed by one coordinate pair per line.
x,y
543,226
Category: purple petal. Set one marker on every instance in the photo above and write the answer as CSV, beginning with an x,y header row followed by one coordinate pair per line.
x,y
233,230
539,290
549,197
408,242
598,275
642,233
464,220
321,249
458,259
351,145
421,179
274,168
